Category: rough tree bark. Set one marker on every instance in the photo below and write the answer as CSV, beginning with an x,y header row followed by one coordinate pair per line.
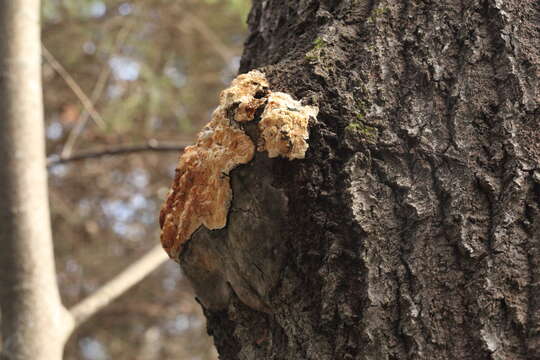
x,y
412,227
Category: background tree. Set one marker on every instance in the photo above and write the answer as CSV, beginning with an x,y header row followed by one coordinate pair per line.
x,y
120,75
27,273
412,227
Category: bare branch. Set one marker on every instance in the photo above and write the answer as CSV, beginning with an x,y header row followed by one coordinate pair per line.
x,y
83,98
133,274
151,146
99,87
206,32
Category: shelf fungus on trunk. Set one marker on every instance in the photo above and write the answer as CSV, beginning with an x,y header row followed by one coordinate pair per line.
x,y
201,192
284,126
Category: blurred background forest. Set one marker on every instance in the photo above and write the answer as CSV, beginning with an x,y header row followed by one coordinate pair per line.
x,y
123,73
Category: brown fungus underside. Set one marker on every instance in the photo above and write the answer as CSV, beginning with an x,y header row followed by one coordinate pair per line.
x,y
201,192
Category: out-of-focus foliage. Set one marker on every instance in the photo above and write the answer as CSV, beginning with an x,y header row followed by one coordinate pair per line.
x,y
240,6
154,69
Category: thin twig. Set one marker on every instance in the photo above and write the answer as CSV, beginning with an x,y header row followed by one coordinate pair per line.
x,y
219,46
151,146
99,87
83,98
133,274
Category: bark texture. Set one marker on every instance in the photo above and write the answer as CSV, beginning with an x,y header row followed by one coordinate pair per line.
x,y
411,230
35,325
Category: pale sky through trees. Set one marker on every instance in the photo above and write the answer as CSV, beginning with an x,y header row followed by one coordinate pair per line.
x,y
152,70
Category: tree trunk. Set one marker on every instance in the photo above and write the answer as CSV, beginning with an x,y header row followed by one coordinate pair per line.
x,y
412,227
35,325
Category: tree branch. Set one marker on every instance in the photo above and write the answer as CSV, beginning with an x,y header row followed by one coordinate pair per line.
x,y
99,87
151,146
118,285
83,98
219,46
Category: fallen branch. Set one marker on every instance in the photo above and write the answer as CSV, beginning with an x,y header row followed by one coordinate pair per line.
x,y
151,146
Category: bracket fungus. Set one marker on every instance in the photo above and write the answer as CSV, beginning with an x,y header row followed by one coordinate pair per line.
x,y
284,126
201,192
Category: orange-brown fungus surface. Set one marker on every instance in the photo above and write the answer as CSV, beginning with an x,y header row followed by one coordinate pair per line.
x,y
284,126
244,91
201,193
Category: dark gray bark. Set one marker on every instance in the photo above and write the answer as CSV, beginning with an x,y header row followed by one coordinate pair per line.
x,y
412,227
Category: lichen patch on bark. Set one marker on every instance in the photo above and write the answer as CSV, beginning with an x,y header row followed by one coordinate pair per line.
x,y
201,192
